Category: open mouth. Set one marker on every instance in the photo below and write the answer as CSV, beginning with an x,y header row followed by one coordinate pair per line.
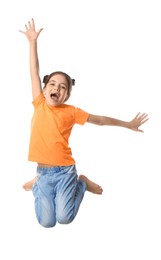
x,y
54,95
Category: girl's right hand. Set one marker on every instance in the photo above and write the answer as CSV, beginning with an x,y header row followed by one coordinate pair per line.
x,y
30,32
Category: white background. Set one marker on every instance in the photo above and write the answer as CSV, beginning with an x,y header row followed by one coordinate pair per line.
x,y
113,50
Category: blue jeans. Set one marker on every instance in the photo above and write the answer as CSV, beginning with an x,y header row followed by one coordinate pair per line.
x,y
58,194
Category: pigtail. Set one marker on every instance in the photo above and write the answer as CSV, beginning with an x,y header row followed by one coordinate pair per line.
x,y
45,79
73,82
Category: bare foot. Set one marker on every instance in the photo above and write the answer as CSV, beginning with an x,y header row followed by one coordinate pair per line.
x,y
91,186
28,185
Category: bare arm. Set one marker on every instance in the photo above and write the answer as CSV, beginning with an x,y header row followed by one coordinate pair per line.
x,y
134,124
32,36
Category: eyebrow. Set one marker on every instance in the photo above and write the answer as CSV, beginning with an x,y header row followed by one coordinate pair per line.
x,y
52,80
55,81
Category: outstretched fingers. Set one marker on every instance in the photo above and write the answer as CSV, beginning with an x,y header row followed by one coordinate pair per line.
x,y
31,25
138,121
142,118
30,31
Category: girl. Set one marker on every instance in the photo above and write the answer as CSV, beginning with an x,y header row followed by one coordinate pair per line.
x,y
57,189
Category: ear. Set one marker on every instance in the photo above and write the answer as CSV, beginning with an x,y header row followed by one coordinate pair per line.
x,y
43,91
66,97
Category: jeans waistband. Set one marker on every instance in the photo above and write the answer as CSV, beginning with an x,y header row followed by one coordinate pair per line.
x,y
56,169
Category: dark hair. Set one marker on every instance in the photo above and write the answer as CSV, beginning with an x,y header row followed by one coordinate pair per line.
x,y
70,81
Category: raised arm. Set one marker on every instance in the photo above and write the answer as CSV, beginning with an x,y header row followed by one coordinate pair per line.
x,y
32,36
134,124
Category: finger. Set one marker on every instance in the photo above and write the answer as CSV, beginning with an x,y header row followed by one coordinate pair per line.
x,y
26,27
33,23
39,31
143,121
137,115
142,117
29,24
141,131
21,31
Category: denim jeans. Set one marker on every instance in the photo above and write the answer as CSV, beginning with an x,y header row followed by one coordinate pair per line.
x,y
58,194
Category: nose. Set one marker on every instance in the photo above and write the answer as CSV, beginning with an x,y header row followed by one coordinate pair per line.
x,y
56,87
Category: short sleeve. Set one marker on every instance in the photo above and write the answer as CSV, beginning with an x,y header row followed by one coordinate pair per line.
x,y
81,116
38,100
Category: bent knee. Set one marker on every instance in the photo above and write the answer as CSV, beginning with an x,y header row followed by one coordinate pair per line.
x,y
65,219
47,224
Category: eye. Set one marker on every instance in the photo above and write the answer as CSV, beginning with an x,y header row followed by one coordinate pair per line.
x,y
63,87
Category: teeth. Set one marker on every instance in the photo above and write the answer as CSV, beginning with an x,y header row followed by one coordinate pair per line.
x,y
53,95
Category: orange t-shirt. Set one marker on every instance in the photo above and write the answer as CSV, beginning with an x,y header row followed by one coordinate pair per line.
x,y
50,130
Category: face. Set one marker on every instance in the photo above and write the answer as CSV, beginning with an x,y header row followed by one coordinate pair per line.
x,y
56,90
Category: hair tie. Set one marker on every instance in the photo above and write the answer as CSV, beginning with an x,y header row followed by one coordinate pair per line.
x,y
45,78
73,82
